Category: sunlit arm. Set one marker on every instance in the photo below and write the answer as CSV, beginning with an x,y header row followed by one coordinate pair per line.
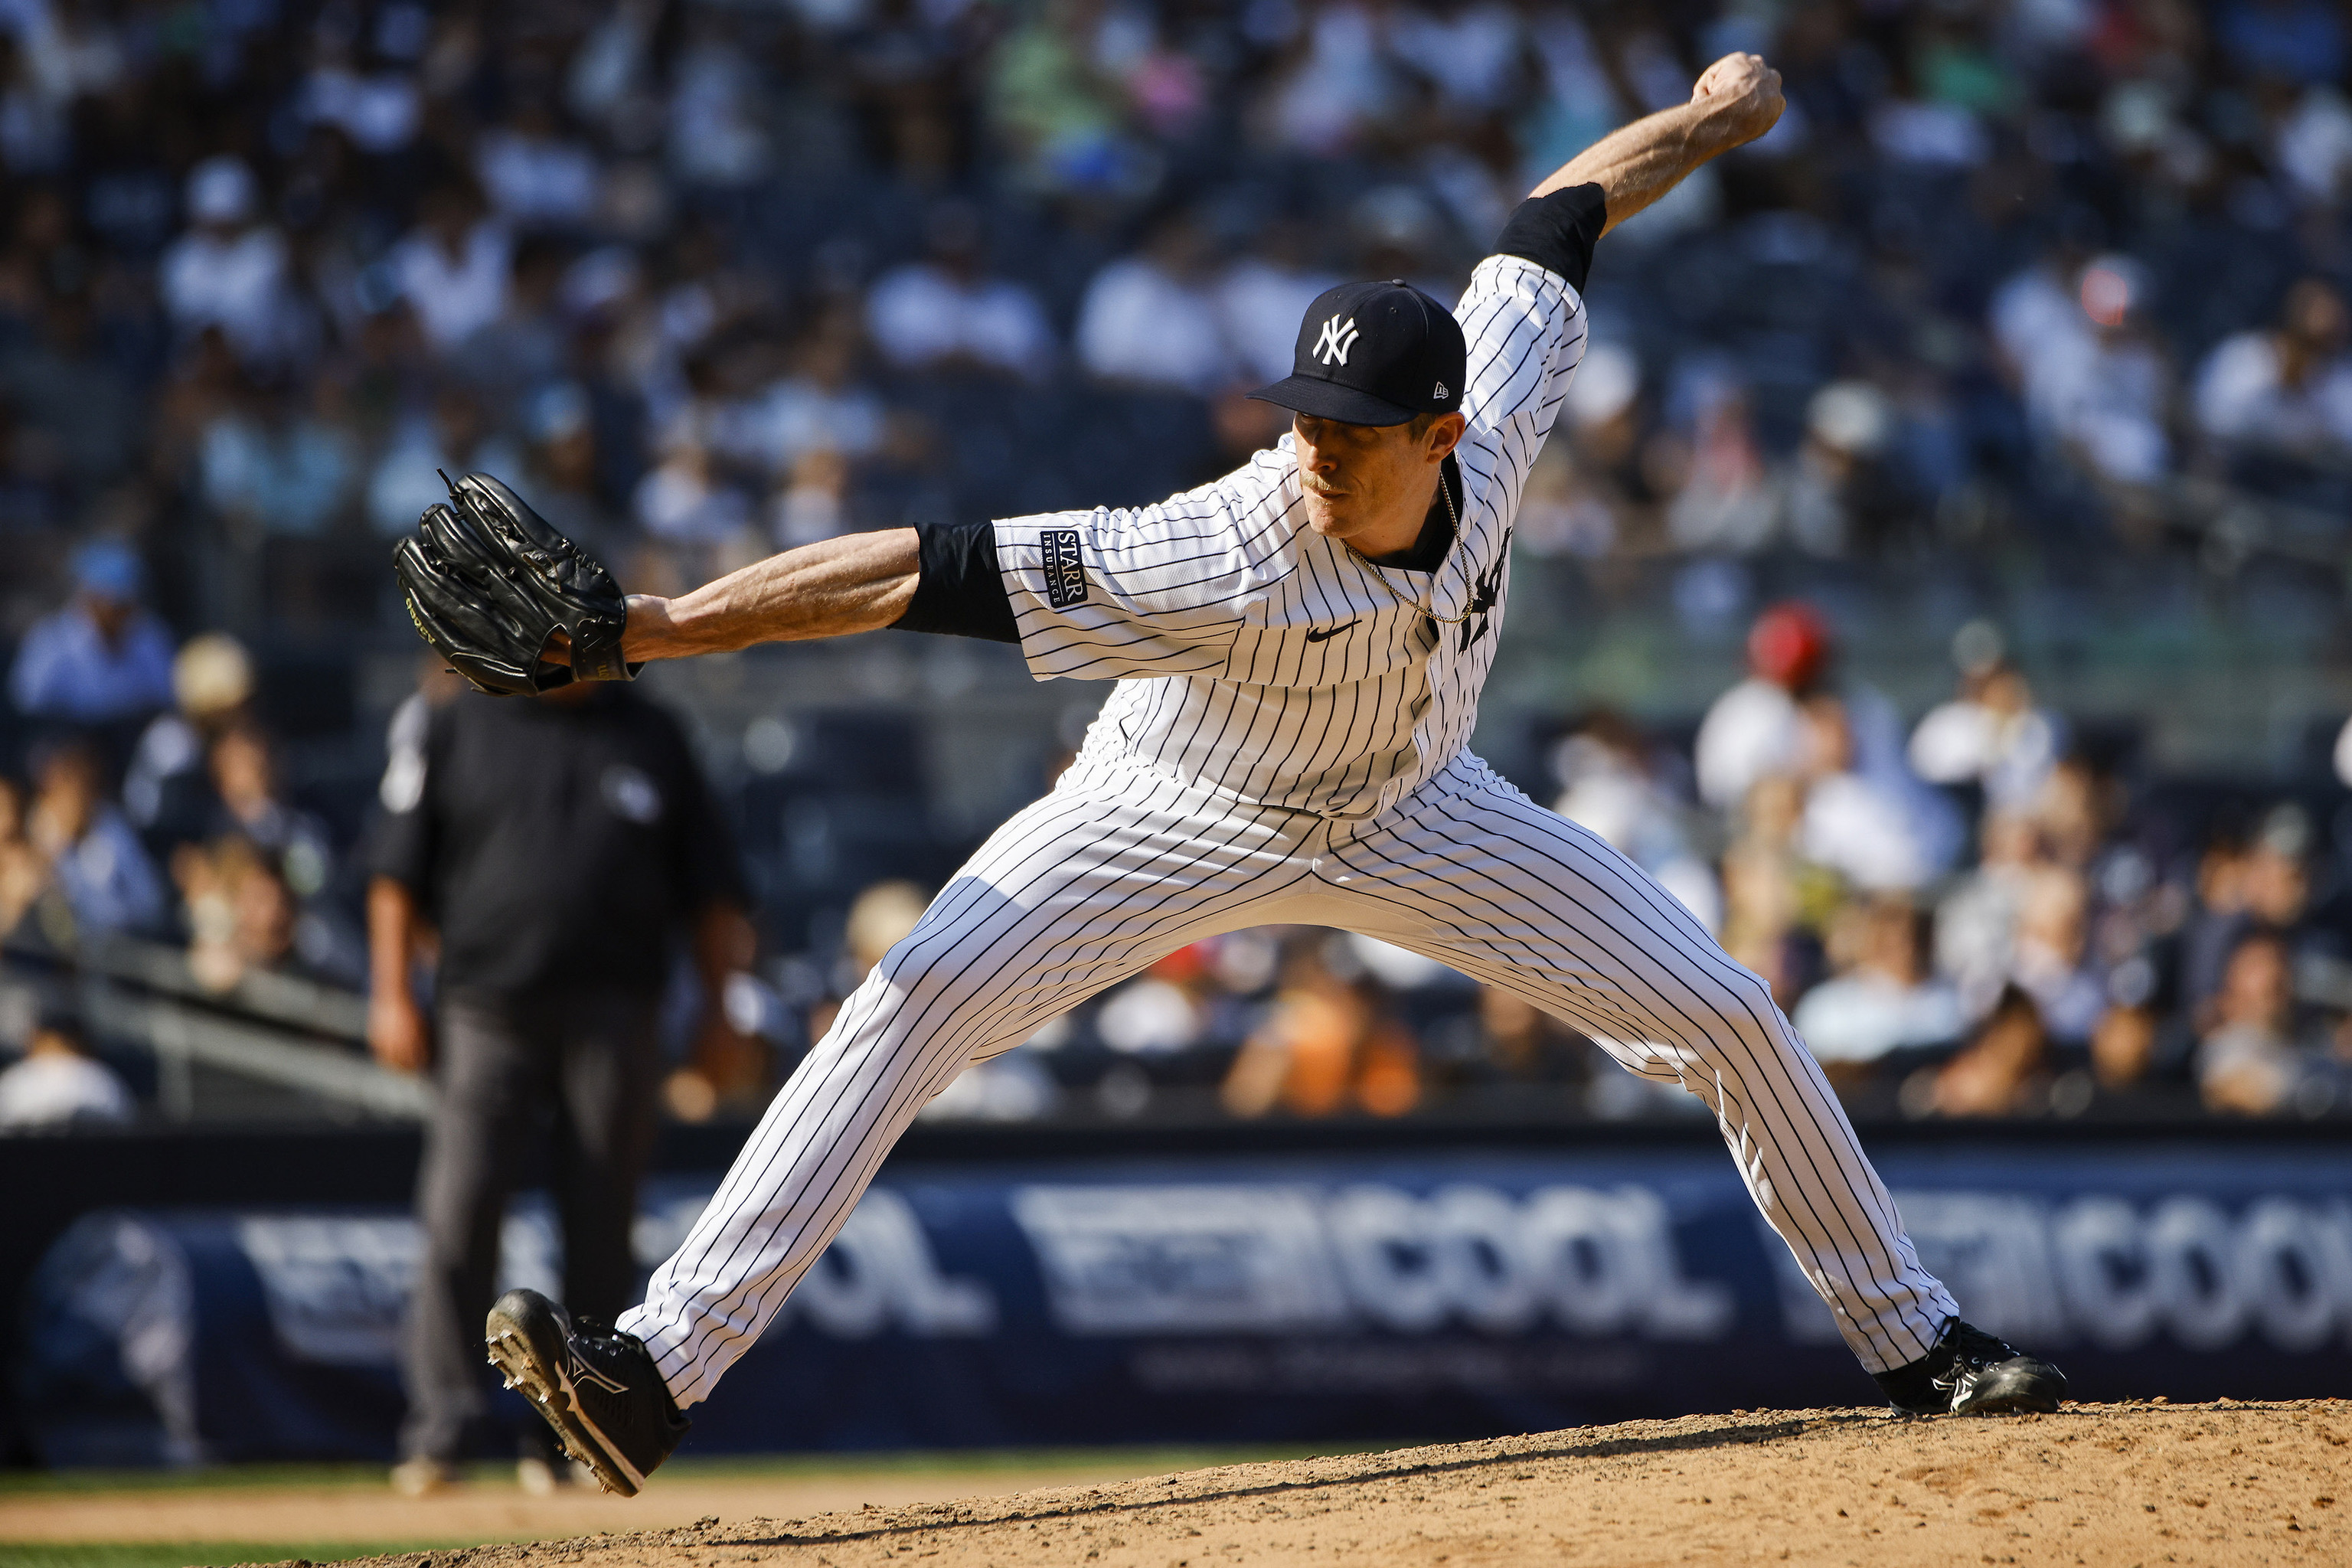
x,y
859,583
1737,101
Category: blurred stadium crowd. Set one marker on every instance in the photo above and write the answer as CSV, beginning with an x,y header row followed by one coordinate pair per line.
x,y
2044,286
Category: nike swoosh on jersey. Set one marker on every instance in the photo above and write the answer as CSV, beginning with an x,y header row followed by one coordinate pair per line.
x,y
1325,634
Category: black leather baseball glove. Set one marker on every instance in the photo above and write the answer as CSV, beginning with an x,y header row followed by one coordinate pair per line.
x,y
488,584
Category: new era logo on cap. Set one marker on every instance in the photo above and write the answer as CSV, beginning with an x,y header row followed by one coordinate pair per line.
x,y
1373,353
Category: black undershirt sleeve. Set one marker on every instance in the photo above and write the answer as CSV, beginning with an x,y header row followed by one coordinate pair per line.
x,y
1557,232
959,590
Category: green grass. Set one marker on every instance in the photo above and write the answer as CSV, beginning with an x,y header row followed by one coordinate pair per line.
x,y
1142,1461
977,1463
149,1554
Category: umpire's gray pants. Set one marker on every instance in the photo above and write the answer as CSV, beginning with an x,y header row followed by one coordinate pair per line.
x,y
590,1065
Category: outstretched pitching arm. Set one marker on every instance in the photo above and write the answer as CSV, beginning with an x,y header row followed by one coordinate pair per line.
x,y
857,583
1737,99
516,607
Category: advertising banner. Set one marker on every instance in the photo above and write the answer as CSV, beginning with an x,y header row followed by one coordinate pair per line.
x,y
1237,1299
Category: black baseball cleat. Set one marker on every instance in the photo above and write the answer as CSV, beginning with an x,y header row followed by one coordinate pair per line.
x,y
1969,1373
597,1386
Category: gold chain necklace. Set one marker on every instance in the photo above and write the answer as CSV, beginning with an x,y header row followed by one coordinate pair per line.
x,y
1381,576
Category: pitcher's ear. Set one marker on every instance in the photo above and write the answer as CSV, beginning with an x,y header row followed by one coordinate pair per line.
x,y
1446,432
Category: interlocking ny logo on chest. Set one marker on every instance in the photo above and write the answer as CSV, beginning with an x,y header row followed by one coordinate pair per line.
x,y
1066,573
1338,338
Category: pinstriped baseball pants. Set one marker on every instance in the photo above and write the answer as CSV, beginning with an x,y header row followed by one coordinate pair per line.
x,y
1120,866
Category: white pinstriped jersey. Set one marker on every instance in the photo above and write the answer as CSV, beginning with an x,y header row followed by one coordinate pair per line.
x,y
1258,658
1274,697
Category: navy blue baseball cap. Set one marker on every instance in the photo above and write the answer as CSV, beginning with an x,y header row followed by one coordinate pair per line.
x,y
1373,353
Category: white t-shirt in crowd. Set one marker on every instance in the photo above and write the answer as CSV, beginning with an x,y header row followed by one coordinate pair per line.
x,y
50,1091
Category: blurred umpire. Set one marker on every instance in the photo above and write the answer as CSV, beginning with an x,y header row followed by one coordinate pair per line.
x,y
556,848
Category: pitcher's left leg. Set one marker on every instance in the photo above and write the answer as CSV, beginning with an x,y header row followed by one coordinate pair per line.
x,y
1469,871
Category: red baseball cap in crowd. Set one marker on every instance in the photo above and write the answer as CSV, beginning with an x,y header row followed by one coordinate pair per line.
x,y
1789,644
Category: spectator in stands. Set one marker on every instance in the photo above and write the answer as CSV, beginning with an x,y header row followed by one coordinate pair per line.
x,y
1839,493
2037,311
1976,924
947,312
102,659
812,503
1335,88
23,870
453,267
1866,814
94,860
1771,893
526,345
2104,393
1586,494
1990,735
1327,1045
2123,1053
879,918
253,807
1150,320
1059,113
1721,496
165,793
230,270
2051,961
2259,1058
691,506
1493,1056
2075,811
823,403
57,1087
1757,728
2285,392
378,111
557,846
2003,1071
1157,1013
1875,826
535,175
1882,998
279,462
240,914
2243,885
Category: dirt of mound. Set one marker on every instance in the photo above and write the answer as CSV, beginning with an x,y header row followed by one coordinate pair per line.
x,y
2129,1484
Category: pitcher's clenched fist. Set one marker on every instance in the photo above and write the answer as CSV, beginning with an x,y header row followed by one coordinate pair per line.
x,y
1746,88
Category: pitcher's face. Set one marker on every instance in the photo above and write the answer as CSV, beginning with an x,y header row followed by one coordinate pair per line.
x,y
1365,480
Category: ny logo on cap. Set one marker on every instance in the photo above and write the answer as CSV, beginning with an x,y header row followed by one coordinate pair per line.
x,y
1337,340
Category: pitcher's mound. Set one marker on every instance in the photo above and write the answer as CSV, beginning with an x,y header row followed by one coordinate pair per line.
x,y
2224,1483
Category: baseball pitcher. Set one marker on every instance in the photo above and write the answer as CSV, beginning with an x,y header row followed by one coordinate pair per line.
x,y
1299,650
